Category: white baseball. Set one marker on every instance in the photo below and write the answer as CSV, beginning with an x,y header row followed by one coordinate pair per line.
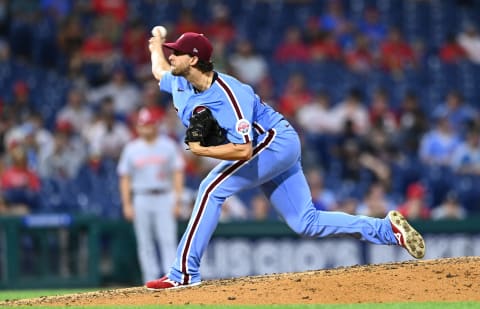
x,y
160,31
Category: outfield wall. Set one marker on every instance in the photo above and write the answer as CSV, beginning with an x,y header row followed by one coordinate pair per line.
x,y
63,251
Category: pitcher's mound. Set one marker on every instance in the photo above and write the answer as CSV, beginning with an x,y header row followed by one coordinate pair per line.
x,y
452,279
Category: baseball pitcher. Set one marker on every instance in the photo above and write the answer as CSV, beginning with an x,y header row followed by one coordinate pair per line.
x,y
226,120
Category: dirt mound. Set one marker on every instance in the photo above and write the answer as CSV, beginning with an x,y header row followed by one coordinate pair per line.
x,y
453,279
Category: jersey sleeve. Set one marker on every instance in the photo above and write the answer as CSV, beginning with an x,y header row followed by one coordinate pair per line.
x,y
239,117
166,82
241,131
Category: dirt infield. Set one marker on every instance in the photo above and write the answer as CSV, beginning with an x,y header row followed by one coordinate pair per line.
x,y
453,279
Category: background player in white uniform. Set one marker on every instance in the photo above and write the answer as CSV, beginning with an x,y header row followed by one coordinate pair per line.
x,y
263,151
151,170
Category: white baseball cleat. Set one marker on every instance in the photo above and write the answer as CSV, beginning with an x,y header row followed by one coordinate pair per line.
x,y
406,235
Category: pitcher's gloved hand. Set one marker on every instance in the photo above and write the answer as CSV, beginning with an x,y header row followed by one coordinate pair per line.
x,y
204,128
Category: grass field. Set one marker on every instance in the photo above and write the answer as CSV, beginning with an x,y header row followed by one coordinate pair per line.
x,y
25,294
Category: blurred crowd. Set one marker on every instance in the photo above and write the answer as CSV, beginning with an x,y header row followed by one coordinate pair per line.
x,y
381,127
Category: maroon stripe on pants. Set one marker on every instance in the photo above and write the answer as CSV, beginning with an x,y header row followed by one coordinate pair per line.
x,y
203,202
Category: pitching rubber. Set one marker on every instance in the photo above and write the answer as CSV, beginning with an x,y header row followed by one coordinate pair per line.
x,y
406,235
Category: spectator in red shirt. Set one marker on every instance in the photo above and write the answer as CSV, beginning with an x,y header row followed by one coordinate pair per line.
x,y
395,53
186,23
97,48
117,8
414,206
19,184
134,44
295,95
325,47
451,51
360,58
292,48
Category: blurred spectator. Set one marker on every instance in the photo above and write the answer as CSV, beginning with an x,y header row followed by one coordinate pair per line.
x,y
266,91
134,47
221,56
315,117
292,48
377,153
412,124
125,94
322,198
67,155
376,203
4,51
351,109
70,36
460,115
333,19
76,111
151,102
233,209
117,8
396,54
171,125
314,120
449,209
466,157
35,139
41,140
380,112
20,185
97,48
414,206
347,150
324,47
439,143
372,27
221,26
360,58
261,208
106,136
451,51
295,95
247,65
21,106
75,72
6,125
186,23
348,204
469,40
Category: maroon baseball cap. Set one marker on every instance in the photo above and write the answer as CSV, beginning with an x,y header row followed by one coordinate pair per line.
x,y
194,44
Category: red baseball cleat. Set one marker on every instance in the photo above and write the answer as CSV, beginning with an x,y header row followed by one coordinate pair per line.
x,y
406,235
166,283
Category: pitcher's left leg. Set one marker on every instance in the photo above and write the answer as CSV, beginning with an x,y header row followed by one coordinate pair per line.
x,y
291,197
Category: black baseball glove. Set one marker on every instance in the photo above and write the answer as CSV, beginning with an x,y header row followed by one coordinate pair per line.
x,y
205,129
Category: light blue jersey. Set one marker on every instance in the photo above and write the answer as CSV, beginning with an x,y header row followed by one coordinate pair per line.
x,y
234,104
274,167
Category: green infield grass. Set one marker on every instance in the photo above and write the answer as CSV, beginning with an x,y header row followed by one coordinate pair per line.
x,y
25,294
